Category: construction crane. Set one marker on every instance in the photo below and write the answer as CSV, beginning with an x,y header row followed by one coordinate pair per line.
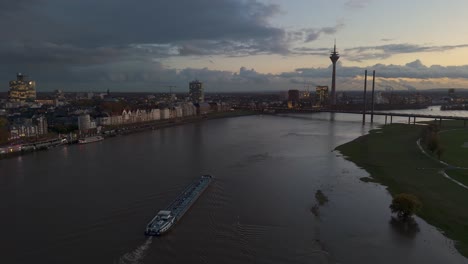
x,y
307,87
172,96
170,88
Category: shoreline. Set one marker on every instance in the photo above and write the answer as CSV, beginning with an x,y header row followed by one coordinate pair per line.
x,y
392,158
141,127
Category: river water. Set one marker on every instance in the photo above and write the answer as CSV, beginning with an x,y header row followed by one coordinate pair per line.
x,y
90,203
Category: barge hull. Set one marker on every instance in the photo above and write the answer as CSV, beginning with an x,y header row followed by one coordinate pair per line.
x,y
176,210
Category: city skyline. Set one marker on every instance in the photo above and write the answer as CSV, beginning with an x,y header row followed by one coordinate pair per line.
x,y
233,45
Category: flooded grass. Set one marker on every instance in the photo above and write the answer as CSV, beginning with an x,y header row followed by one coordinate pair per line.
x,y
394,160
321,198
315,210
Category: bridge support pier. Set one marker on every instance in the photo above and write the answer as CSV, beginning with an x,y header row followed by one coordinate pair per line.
x,y
414,120
440,122
385,119
373,104
409,120
365,101
391,119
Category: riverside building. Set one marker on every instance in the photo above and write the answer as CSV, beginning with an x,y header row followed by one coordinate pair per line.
x,y
22,90
293,98
321,95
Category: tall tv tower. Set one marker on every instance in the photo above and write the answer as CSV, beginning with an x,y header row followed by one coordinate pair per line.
x,y
334,56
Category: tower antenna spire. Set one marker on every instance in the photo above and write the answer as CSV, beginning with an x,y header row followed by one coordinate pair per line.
x,y
334,56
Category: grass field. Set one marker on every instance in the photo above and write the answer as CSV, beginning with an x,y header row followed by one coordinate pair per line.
x,y
393,159
453,141
456,152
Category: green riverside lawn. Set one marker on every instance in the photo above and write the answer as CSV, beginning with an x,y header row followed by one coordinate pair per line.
x,y
392,158
455,144
455,153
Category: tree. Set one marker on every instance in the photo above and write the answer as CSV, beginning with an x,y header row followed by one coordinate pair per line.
x,y
434,142
3,122
439,151
430,134
405,205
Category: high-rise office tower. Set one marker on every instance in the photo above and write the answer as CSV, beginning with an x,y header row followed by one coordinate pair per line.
x,y
321,95
22,90
196,92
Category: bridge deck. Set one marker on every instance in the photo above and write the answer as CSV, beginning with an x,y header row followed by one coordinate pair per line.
x,y
379,113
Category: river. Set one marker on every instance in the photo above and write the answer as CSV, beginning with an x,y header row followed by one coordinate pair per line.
x,y
90,203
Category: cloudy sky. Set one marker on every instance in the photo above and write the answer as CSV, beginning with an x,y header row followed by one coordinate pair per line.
x,y
233,45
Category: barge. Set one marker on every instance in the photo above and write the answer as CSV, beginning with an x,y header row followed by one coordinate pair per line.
x,y
165,219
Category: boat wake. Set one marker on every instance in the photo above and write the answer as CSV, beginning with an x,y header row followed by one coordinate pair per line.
x,y
137,255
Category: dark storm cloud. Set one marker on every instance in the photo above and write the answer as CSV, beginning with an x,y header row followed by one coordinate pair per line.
x,y
59,35
231,48
94,44
11,7
387,51
153,76
111,23
52,53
